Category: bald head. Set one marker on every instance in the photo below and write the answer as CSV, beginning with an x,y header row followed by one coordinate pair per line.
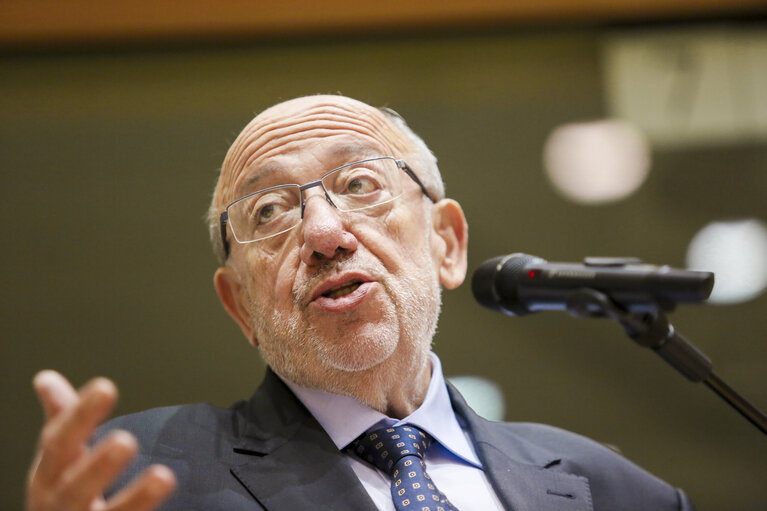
x,y
284,127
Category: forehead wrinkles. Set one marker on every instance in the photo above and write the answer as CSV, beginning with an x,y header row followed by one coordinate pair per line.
x,y
275,132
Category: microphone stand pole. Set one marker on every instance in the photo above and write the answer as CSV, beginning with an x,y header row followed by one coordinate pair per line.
x,y
653,330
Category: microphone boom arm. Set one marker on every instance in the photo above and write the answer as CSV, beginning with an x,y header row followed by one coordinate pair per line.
x,y
653,330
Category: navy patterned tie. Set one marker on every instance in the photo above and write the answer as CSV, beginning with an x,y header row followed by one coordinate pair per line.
x,y
399,451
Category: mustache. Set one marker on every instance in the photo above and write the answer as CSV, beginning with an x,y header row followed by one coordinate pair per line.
x,y
356,261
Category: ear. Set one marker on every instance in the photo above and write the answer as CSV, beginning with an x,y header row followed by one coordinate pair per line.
x,y
452,234
234,299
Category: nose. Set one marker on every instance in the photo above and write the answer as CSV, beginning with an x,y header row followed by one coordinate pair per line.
x,y
324,233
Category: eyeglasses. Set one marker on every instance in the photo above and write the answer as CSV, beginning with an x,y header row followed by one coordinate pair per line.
x,y
361,185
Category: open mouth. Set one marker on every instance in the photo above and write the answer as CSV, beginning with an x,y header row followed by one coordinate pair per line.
x,y
344,290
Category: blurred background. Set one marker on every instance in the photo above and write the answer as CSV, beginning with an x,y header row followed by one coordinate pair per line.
x,y
565,129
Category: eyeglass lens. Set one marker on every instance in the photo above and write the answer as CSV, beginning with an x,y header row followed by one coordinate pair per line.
x,y
355,186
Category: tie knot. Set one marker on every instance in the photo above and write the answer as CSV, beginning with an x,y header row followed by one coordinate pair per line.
x,y
384,447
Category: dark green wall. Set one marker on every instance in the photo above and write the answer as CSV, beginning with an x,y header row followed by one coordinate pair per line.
x,y
108,159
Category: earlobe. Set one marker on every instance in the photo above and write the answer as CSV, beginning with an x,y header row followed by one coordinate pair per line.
x,y
449,224
233,298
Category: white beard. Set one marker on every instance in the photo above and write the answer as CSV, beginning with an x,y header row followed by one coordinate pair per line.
x,y
296,350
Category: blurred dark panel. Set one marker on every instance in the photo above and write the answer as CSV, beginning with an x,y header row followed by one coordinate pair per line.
x,y
26,23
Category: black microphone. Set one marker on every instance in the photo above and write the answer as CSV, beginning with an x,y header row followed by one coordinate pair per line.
x,y
518,284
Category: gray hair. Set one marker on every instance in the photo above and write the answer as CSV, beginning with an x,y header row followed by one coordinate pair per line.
x,y
424,165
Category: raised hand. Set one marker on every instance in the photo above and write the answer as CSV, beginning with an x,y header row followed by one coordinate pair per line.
x,y
68,474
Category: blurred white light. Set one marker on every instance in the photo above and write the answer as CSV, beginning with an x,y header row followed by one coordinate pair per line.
x,y
597,162
483,395
736,251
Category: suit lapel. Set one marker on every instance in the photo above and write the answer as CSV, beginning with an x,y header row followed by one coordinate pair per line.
x,y
524,476
287,461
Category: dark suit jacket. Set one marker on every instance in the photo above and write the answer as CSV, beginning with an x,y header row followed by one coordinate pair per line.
x,y
269,453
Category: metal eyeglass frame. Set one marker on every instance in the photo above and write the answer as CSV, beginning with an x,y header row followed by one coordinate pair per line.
x,y
224,218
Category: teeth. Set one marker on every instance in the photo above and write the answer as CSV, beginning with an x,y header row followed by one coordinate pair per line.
x,y
343,290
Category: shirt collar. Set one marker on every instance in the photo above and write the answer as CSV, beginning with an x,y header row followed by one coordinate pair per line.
x,y
344,418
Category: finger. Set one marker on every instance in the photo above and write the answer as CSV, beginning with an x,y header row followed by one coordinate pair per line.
x,y
93,473
64,438
147,492
54,391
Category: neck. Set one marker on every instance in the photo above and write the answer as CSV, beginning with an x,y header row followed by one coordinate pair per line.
x,y
397,399
395,388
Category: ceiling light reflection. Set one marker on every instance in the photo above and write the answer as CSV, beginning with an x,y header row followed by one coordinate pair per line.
x,y
483,395
736,251
597,162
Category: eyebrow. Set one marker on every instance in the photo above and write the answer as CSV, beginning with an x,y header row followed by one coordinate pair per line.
x,y
263,172
359,151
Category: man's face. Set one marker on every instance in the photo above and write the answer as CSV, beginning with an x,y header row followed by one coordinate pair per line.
x,y
344,293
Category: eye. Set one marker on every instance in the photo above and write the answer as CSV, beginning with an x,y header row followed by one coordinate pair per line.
x,y
361,185
265,213
270,207
358,181
269,212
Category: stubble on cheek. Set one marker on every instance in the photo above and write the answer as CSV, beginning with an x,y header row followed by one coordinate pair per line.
x,y
310,347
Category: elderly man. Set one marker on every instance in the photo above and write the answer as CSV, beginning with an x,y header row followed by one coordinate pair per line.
x,y
334,236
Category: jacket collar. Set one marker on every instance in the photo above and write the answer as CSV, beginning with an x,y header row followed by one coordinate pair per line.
x,y
287,461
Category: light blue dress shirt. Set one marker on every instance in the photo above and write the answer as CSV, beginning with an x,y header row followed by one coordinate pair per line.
x,y
451,461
